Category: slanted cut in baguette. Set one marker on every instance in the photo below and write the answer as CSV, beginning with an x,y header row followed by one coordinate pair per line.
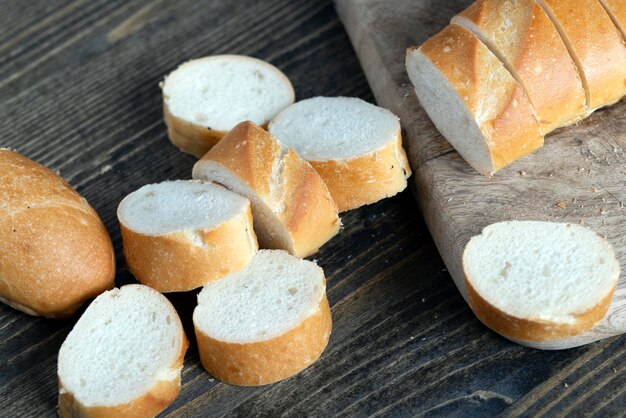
x,y
524,38
539,281
291,205
473,100
204,98
355,147
617,10
595,44
123,358
264,323
180,235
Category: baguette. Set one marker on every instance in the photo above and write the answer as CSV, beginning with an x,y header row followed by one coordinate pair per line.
x,y
524,38
473,100
291,205
264,323
55,253
539,281
204,98
355,147
597,46
123,358
180,235
617,10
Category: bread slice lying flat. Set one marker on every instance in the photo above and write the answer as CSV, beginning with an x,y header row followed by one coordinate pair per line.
x,y
180,235
473,100
55,253
617,10
291,205
355,147
205,98
264,323
597,46
124,356
524,38
539,281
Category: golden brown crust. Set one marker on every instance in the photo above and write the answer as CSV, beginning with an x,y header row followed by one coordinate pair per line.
x,y
500,108
149,405
366,179
598,45
289,185
173,262
189,137
533,329
526,38
55,253
264,362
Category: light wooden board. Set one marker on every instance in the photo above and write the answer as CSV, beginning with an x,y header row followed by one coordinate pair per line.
x,y
583,166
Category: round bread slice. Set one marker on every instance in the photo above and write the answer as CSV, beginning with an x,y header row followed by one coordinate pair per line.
x,y
355,147
473,100
264,323
539,281
124,356
596,45
524,38
180,235
205,98
292,207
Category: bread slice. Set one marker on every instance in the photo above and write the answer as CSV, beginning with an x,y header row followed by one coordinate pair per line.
x,y
473,100
205,98
55,253
355,147
617,10
524,38
180,235
539,281
264,323
595,44
124,356
291,205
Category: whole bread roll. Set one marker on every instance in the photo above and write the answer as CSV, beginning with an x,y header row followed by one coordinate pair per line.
x,y
55,253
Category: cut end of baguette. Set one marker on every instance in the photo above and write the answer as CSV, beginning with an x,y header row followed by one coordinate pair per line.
x,y
220,91
535,281
264,323
125,346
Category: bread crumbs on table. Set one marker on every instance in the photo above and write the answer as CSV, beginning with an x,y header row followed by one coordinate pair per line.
x,y
561,205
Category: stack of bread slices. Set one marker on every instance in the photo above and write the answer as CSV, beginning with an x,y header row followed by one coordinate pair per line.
x,y
504,74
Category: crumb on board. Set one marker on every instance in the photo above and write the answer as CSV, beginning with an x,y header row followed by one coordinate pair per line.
x,y
522,173
561,205
603,211
581,221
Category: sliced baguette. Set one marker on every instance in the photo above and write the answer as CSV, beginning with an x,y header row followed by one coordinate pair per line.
x,y
355,147
123,358
264,323
55,253
291,205
539,281
473,100
180,235
617,10
524,38
204,98
596,45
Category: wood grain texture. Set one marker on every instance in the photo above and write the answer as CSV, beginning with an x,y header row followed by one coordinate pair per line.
x,y
404,342
582,166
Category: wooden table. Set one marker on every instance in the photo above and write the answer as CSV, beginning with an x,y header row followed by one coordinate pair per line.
x,y
79,93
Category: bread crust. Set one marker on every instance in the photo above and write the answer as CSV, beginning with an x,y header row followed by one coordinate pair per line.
x,y
289,185
368,178
264,362
55,253
617,11
598,46
174,262
525,39
528,329
498,103
159,397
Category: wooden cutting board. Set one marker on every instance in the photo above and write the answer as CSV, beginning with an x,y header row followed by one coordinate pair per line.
x,y
579,175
